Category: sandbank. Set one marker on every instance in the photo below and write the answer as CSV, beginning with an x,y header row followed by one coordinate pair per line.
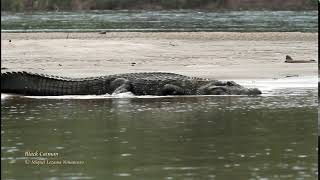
x,y
216,55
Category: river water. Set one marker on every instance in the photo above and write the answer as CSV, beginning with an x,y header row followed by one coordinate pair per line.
x,y
183,20
268,137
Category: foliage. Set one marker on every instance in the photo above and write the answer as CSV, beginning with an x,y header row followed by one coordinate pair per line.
x,y
49,5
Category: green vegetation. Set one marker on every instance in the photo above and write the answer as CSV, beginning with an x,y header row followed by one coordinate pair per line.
x,y
51,5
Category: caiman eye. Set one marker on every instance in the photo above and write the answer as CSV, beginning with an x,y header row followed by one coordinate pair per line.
x,y
231,83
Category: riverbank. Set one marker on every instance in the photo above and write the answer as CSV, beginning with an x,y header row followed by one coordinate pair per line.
x,y
203,54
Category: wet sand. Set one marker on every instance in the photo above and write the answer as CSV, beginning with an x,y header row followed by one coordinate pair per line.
x,y
216,55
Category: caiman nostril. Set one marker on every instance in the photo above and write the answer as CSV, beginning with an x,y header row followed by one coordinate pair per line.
x,y
254,91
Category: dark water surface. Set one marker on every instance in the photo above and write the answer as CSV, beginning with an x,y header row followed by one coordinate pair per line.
x,y
184,20
235,137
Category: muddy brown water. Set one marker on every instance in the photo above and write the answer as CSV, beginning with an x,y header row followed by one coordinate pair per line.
x,y
206,137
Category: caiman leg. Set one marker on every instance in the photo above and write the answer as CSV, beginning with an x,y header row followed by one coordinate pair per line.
x,y
170,89
120,85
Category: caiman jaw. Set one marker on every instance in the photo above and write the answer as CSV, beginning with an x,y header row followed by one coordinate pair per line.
x,y
254,91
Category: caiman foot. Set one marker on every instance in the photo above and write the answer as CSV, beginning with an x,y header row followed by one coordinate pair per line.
x,y
121,85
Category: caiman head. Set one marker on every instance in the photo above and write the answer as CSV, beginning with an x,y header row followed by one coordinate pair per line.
x,y
226,88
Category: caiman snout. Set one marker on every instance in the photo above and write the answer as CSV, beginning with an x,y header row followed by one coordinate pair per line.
x,y
254,91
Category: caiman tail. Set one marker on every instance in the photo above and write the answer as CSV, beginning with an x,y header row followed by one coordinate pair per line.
x,y
25,83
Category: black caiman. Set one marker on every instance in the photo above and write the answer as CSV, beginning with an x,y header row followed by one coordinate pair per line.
x,y
148,83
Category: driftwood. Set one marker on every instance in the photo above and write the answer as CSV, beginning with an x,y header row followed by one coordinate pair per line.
x,y
290,60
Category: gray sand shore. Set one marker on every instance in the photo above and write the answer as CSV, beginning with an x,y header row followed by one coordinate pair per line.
x,y
219,55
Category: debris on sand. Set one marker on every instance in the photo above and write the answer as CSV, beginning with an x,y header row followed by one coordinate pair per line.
x,y
290,60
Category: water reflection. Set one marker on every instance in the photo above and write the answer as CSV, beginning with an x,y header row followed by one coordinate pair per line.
x,y
237,137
